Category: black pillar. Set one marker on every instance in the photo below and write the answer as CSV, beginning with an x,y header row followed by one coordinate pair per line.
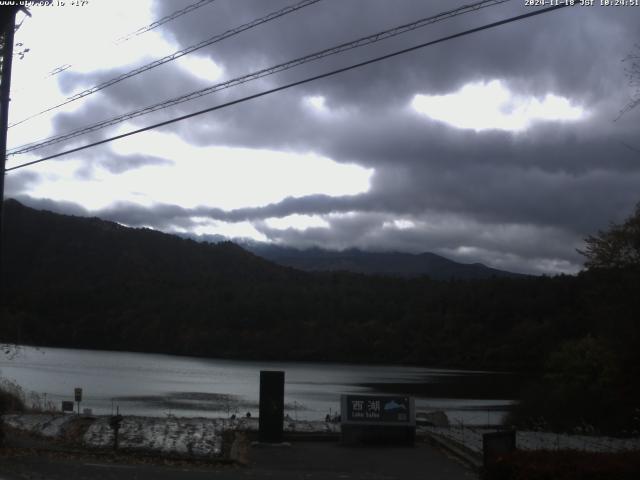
x,y
271,406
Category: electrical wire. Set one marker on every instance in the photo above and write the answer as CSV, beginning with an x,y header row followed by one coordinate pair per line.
x,y
163,20
294,84
141,30
362,41
632,73
180,53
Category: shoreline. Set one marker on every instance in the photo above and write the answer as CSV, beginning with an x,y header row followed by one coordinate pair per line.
x,y
199,438
213,438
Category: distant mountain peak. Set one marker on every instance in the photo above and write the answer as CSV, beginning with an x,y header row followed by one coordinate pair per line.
x,y
314,259
390,263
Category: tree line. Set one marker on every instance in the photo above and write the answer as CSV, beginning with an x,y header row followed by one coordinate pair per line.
x,y
77,282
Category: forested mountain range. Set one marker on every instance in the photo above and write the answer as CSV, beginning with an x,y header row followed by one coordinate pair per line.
x,y
395,264
85,282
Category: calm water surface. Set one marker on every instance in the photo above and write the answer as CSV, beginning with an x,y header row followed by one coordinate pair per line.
x,y
158,385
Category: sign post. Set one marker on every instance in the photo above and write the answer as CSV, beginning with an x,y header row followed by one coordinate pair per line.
x,y
67,406
115,422
378,419
78,396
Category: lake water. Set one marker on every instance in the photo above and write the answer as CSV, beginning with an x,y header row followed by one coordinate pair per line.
x,y
159,385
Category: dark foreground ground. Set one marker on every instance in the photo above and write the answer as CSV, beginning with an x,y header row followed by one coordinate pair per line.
x,y
301,460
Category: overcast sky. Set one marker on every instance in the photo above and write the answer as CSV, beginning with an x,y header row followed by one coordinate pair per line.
x,y
499,147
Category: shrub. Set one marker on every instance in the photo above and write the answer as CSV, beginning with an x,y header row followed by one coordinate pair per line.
x,y
581,387
11,397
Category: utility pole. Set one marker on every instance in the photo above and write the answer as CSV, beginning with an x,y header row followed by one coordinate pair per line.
x,y
8,22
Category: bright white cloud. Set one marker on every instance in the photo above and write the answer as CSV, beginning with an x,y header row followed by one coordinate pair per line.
x,y
343,215
511,262
89,47
399,224
92,42
222,177
464,250
60,181
297,222
492,106
316,102
201,67
229,230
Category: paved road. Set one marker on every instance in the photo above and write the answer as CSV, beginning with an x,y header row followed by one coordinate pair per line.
x,y
301,460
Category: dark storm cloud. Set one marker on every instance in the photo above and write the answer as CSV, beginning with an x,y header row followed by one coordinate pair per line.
x,y
156,85
564,43
20,181
119,164
115,163
519,200
535,56
514,247
66,208
163,215
440,69
578,176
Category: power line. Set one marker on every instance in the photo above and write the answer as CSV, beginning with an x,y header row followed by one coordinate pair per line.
x,y
174,56
163,20
141,30
294,84
124,38
632,73
362,41
59,69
